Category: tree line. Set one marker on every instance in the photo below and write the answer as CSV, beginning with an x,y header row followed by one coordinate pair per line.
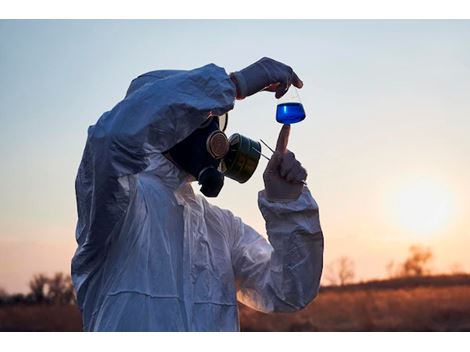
x,y
59,288
341,271
55,289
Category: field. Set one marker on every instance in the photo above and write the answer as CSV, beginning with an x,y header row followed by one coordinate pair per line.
x,y
395,305
422,304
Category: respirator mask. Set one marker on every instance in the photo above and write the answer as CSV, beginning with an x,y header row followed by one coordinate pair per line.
x,y
209,156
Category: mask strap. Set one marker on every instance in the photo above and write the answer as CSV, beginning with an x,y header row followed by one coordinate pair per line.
x,y
259,152
271,149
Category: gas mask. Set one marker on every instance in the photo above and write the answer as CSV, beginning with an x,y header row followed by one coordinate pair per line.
x,y
209,156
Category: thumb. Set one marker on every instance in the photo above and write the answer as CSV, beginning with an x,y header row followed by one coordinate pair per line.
x,y
275,162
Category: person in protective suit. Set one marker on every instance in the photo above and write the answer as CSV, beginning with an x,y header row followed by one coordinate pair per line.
x,y
152,255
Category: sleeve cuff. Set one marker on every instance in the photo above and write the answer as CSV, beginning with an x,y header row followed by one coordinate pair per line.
x,y
282,217
284,203
241,84
305,201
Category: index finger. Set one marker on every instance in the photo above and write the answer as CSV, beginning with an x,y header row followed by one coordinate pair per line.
x,y
283,139
296,81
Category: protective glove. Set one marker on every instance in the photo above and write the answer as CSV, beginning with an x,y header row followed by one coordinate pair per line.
x,y
265,74
284,177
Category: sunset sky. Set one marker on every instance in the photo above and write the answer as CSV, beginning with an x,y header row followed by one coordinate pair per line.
x,y
386,139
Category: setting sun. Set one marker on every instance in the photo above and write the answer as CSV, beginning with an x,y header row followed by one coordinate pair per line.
x,y
422,206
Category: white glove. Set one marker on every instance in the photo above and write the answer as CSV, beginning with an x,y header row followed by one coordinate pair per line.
x,y
284,176
265,74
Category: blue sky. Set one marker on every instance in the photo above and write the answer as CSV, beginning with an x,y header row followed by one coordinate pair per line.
x,y
386,102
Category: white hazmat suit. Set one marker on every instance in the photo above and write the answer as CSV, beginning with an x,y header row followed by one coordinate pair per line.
x,y
152,255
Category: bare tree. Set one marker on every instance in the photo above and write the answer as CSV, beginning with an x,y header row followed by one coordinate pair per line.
x,y
340,271
3,294
38,285
457,269
61,289
56,288
69,295
390,268
417,263
346,270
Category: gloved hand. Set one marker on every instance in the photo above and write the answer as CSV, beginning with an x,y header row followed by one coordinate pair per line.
x,y
284,176
265,74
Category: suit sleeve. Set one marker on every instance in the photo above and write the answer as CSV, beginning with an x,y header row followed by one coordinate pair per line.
x,y
282,275
158,115
160,109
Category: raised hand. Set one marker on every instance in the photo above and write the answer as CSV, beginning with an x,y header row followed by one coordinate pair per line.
x,y
265,74
284,176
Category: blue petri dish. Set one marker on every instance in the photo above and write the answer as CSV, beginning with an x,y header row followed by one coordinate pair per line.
x,y
289,113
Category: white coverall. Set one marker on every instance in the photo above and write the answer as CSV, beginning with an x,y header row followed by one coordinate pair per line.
x,y
152,255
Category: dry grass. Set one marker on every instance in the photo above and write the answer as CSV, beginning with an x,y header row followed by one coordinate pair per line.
x,y
421,304
40,317
415,309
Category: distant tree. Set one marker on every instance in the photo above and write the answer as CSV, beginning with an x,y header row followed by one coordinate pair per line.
x,y
457,269
61,289
346,270
390,268
3,295
56,288
417,263
340,271
68,295
16,298
38,286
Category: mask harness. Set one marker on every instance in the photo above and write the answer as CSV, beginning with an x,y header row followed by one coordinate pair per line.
x,y
209,156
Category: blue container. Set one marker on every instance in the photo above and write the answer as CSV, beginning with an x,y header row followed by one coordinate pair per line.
x,y
288,113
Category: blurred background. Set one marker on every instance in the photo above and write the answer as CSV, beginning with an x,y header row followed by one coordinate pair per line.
x,y
385,143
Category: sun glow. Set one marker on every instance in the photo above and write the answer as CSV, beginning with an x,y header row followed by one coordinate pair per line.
x,y
422,206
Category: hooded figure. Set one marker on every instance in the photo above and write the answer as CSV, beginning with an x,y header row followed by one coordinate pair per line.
x,y
152,255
